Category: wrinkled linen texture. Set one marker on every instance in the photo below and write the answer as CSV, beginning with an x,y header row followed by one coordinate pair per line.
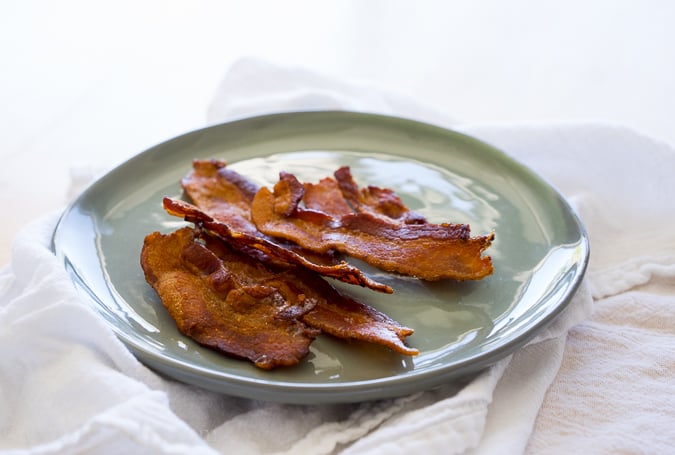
x,y
599,378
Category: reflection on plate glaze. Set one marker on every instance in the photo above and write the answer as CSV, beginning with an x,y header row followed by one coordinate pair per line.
x,y
435,357
545,284
325,364
327,361
540,252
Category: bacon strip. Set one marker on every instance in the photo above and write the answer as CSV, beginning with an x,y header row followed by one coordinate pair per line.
x,y
333,313
271,251
244,313
226,300
226,196
426,251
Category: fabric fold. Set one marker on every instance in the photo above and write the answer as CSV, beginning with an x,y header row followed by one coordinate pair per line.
x,y
74,386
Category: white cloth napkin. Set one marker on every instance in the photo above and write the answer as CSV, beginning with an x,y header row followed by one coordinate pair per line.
x,y
67,385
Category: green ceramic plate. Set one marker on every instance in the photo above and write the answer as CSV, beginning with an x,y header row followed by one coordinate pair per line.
x,y
540,252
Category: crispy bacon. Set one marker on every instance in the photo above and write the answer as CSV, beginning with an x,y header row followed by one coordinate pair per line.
x,y
246,280
333,313
272,252
226,196
426,251
228,301
245,313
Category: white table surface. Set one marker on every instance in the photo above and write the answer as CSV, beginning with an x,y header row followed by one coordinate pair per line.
x,y
89,84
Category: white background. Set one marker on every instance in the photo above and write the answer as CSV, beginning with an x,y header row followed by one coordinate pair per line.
x,y
87,84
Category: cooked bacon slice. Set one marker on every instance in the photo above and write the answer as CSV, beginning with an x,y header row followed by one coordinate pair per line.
x,y
273,252
244,312
230,302
227,196
333,313
426,251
